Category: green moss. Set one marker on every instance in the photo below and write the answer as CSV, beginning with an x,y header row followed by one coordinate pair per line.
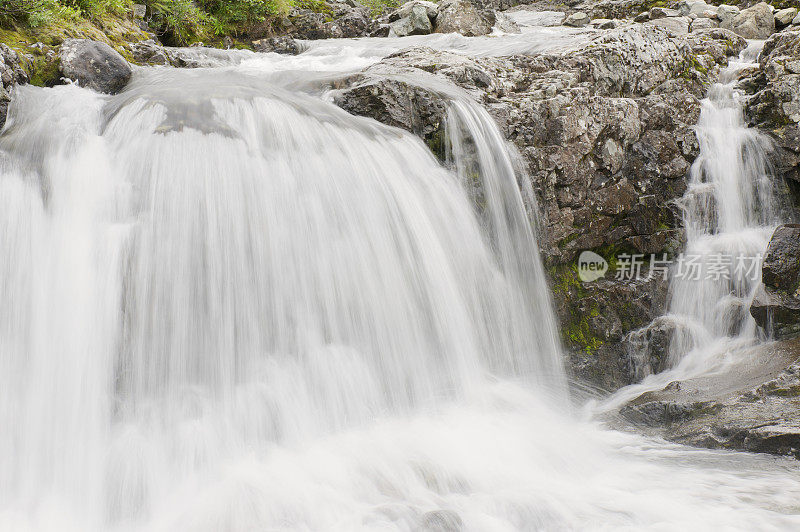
x,y
43,73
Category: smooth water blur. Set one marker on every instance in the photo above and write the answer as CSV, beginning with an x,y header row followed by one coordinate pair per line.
x,y
230,306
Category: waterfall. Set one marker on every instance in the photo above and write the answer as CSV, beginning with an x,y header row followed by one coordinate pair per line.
x,y
729,213
229,306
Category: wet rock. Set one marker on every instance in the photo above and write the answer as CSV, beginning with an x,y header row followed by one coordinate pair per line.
x,y
776,305
577,20
396,101
784,17
775,103
94,65
749,406
416,22
464,17
279,45
756,22
11,74
781,266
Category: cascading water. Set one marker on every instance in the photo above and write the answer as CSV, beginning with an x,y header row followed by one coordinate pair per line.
x,y
729,213
228,306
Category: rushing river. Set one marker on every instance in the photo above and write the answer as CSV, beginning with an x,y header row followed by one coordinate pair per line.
x,y
228,305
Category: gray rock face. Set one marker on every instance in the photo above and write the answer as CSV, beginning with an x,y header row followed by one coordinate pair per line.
x,y
11,74
784,17
776,305
94,65
756,22
416,22
464,17
577,20
279,45
775,104
606,133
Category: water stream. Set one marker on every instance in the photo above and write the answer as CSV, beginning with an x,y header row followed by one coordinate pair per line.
x,y
230,306
729,213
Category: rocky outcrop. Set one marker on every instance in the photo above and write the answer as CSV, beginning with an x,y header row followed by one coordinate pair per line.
x,y
749,407
776,306
11,74
775,104
94,65
340,19
606,132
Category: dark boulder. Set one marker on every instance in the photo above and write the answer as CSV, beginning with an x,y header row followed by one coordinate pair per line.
x,y
94,65
776,305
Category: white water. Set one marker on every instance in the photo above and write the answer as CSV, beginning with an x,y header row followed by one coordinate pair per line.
x,y
230,307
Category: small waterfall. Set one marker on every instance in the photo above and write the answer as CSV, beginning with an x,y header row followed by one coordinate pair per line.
x,y
729,213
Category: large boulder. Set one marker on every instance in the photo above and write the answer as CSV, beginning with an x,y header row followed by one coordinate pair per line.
x,y
776,305
464,17
94,65
784,17
756,22
415,22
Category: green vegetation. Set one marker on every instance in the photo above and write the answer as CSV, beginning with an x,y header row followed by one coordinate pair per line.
x,y
177,22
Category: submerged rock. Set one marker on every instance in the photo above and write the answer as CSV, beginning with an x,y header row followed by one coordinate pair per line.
x,y
577,20
94,65
279,45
